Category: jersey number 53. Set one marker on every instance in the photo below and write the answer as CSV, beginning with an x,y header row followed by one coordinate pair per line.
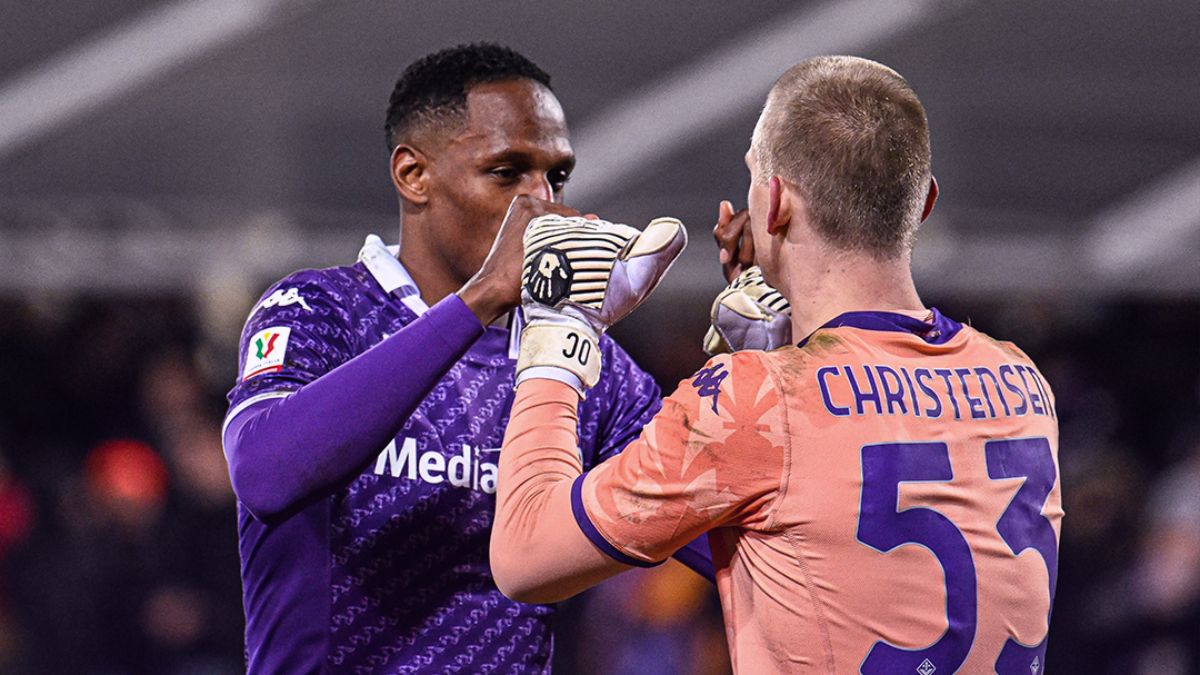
x,y
1022,526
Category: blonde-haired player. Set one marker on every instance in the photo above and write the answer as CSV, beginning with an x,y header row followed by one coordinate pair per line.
x,y
881,497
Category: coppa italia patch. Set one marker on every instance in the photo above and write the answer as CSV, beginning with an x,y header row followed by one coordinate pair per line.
x,y
266,350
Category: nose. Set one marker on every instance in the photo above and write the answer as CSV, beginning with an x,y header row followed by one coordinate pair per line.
x,y
541,188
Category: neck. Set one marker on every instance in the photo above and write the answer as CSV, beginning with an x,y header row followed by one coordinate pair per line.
x,y
849,282
434,277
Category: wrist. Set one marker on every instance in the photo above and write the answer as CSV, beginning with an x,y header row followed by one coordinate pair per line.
x,y
553,343
486,300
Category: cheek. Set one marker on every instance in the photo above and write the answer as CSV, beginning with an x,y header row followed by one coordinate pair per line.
x,y
758,200
475,213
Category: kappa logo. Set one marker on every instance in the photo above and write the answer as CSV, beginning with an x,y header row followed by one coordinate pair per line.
x,y
283,297
708,383
264,353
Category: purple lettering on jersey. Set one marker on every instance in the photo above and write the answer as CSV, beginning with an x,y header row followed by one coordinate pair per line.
x,y
975,405
860,396
923,374
891,395
980,372
912,391
387,570
945,373
822,373
1005,371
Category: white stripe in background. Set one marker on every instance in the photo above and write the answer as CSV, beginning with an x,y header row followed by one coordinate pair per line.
x,y
129,55
1147,228
705,94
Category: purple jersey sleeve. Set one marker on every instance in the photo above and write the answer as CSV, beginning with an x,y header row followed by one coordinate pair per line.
x,y
305,415
628,398
297,331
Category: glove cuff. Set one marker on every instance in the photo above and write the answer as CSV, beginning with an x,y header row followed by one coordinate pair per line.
x,y
560,345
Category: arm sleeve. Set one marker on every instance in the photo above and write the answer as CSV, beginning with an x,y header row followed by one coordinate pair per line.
x,y
714,456
632,398
305,415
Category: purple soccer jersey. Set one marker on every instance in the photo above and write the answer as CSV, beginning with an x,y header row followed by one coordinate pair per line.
x,y
387,571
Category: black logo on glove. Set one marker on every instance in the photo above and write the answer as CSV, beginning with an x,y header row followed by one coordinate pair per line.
x,y
550,279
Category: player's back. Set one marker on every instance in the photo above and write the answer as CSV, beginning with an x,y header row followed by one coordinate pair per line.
x,y
917,528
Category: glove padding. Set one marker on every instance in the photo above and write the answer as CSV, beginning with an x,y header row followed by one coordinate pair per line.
x,y
580,277
749,314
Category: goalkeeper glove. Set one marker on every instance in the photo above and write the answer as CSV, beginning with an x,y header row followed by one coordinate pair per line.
x,y
749,314
580,277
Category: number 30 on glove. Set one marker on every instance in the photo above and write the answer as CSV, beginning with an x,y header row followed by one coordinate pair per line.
x,y
580,277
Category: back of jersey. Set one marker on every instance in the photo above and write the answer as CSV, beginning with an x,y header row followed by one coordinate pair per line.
x,y
917,531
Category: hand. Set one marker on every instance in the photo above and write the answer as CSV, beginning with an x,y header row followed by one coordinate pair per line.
x,y
749,314
582,276
496,287
734,242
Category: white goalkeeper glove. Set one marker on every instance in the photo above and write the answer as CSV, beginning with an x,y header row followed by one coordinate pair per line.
x,y
749,314
580,277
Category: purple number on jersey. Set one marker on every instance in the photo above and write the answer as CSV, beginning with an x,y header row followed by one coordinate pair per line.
x,y
883,528
1022,526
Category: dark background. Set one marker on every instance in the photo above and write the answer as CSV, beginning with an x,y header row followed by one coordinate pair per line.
x,y
161,163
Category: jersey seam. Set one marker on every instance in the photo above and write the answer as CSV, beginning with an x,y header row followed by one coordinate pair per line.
x,y
788,535
784,482
818,608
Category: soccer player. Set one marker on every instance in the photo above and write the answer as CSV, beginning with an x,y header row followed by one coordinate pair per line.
x,y
881,497
363,433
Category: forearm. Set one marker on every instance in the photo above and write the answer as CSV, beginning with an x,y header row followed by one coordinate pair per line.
x,y
283,450
538,553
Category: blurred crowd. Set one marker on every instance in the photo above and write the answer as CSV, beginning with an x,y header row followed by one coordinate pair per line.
x,y
118,542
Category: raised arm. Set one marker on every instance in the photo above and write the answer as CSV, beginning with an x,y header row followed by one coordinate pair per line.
x,y
314,413
713,456
296,436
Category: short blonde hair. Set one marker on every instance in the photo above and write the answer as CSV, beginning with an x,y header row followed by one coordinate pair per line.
x,y
852,136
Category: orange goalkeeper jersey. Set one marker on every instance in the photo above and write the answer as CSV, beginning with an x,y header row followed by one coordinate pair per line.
x,y
882,499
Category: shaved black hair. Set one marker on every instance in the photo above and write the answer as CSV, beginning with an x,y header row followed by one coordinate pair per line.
x,y
433,89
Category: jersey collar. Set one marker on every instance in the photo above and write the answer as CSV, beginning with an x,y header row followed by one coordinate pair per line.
x,y
938,330
384,264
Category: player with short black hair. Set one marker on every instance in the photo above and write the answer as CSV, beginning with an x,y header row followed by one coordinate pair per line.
x,y
363,434
433,89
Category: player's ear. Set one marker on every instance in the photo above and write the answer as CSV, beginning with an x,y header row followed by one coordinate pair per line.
x,y
779,207
410,173
930,198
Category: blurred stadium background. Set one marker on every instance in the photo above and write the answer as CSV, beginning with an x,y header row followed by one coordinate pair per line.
x,y
162,162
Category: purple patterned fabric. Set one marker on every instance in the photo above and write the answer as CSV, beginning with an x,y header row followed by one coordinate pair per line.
x,y
387,571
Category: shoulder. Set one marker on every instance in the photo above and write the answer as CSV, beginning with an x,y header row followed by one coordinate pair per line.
x,y
1005,348
729,386
330,284
311,294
